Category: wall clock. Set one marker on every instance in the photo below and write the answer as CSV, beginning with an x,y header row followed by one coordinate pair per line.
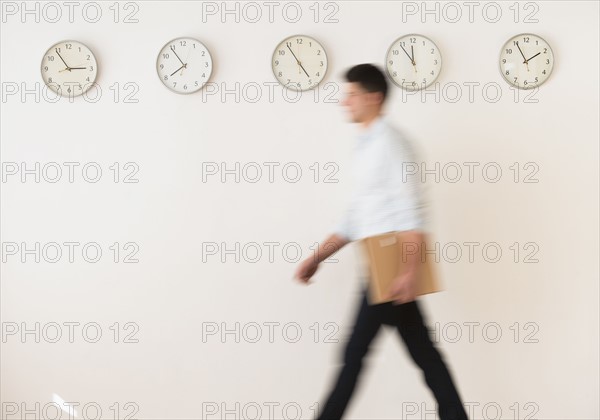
x,y
69,68
526,61
299,63
413,62
184,65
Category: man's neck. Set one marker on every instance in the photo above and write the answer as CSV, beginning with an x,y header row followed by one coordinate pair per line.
x,y
367,123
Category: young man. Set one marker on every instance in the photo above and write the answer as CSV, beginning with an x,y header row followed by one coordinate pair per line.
x,y
384,199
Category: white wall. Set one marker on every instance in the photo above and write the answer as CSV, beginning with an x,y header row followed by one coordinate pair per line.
x,y
171,294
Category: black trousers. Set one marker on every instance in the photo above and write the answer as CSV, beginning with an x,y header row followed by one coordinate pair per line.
x,y
409,322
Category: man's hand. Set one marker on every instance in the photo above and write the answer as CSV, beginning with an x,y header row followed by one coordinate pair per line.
x,y
403,288
306,270
328,247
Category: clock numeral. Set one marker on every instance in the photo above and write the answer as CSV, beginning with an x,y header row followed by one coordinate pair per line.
x,y
182,43
509,51
526,39
413,40
68,46
432,50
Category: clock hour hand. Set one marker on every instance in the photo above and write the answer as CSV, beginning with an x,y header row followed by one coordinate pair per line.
x,y
178,70
533,56
298,61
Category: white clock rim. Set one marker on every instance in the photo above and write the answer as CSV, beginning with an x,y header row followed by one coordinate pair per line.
x,y
209,57
388,71
90,84
500,61
324,52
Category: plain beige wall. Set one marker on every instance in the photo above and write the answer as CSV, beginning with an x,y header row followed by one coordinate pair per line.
x,y
172,295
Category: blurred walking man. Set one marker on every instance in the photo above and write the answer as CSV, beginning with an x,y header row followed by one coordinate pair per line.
x,y
384,200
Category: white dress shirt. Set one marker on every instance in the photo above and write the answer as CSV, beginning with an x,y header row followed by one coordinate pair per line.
x,y
385,197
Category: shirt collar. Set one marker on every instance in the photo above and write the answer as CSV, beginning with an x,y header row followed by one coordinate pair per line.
x,y
373,129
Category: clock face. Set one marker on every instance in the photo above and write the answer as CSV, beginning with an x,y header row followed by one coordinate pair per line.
x,y
69,68
299,63
184,65
413,62
526,61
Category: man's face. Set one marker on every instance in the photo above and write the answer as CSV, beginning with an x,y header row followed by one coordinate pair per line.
x,y
360,103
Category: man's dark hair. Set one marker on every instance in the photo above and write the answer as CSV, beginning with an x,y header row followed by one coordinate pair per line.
x,y
369,77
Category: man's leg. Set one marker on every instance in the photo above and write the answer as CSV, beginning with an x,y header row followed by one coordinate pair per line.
x,y
408,319
365,329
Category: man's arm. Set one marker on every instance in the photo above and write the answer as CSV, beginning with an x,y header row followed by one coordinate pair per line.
x,y
330,246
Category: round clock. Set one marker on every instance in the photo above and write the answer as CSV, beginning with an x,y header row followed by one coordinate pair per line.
x,y
184,65
413,62
526,61
299,63
69,68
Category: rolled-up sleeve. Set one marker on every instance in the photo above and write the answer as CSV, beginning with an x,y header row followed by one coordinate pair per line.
x,y
344,227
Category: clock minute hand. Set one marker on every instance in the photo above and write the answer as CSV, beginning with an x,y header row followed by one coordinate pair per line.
x,y
68,68
409,57
173,49
517,42
298,61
